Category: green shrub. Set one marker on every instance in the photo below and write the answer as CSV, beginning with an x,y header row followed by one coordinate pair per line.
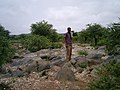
x,y
83,52
6,51
104,83
113,50
83,65
35,42
75,39
102,42
56,45
113,45
109,77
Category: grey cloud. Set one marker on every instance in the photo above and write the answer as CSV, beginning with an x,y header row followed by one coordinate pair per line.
x,y
18,15
63,13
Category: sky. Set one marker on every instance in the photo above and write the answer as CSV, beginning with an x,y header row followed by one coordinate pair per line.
x,y
18,15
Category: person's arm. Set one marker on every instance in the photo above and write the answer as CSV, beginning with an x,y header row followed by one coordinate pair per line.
x,y
65,39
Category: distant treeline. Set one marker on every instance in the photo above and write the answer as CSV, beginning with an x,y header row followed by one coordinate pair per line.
x,y
43,35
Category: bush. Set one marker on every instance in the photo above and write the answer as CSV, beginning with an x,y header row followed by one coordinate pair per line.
x,y
101,42
83,65
109,77
83,53
113,45
104,83
6,51
113,50
35,42
75,39
56,45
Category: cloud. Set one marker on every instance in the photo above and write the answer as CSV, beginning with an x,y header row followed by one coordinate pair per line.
x,y
18,15
63,13
84,12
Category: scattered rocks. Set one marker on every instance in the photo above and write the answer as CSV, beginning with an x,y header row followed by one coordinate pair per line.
x,y
17,56
18,73
45,69
102,48
37,66
55,58
18,62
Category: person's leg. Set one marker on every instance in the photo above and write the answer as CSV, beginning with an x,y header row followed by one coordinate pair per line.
x,y
70,52
67,53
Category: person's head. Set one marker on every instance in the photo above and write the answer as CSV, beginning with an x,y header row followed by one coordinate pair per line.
x,y
69,29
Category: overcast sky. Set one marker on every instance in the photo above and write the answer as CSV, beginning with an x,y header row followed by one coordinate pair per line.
x,y
18,15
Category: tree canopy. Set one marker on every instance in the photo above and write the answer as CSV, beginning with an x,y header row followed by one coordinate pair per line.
x,y
93,34
43,28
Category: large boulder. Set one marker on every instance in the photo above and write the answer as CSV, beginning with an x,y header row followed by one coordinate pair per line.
x,y
52,72
65,74
101,50
94,56
18,73
76,61
43,52
37,66
110,58
117,57
18,62
58,62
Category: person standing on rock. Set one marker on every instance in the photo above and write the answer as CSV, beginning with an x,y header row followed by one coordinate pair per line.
x,y
68,44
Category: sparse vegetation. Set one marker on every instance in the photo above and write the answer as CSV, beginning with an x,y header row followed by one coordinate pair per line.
x,y
108,77
44,36
6,51
35,42
56,45
83,65
83,53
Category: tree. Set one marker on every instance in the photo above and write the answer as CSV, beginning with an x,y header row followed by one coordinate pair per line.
x,y
113,45
3,32
95,33
6,52
83,36
44,29
41,28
